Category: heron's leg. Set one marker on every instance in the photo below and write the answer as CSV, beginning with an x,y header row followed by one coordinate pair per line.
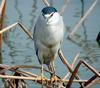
x,y
41,70
53,76
51,69
42,74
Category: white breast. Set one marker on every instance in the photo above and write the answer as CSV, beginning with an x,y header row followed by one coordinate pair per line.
x,y
50,32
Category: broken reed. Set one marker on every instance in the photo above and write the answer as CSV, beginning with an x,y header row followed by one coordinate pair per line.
x,y
2,14
23,75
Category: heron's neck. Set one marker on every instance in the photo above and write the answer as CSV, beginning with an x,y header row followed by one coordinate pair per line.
x,y
54,19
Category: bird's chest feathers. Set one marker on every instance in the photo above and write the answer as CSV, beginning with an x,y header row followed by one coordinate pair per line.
x,y
51,35
51,32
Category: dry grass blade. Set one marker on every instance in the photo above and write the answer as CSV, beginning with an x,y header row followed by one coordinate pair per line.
x,y
82,19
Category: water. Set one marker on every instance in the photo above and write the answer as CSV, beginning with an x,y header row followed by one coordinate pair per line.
x,y
18,49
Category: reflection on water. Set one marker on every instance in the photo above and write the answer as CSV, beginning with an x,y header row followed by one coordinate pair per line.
x,y
32,14
82,11
51,2
18,10
19,49
83,24
92,49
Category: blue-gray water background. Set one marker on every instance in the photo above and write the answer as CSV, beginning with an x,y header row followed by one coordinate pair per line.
x,y
18,49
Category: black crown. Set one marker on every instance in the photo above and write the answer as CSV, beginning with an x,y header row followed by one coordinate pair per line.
x,y
48,10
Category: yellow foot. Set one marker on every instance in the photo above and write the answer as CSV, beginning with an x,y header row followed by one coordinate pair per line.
x,y
54,79
41,79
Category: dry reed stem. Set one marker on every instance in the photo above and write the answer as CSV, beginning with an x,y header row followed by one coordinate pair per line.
x,y
65,62
14,25
2,7
91,68
37,78
8,28
6,67
30,76
82,19
31,66
11,85
18,77
75,59
2,13
25,30
62,9
72,66
93,80
15,69
76,70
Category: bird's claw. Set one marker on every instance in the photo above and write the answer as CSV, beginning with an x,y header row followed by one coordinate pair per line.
x,y
54,79
41,78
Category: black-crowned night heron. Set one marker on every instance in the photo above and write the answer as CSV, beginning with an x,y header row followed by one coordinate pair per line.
x,y
48,36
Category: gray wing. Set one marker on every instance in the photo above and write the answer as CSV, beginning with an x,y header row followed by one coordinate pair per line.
x,y
35,45
35,38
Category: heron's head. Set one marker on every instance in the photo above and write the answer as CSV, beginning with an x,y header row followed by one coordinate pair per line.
x,y
50,14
